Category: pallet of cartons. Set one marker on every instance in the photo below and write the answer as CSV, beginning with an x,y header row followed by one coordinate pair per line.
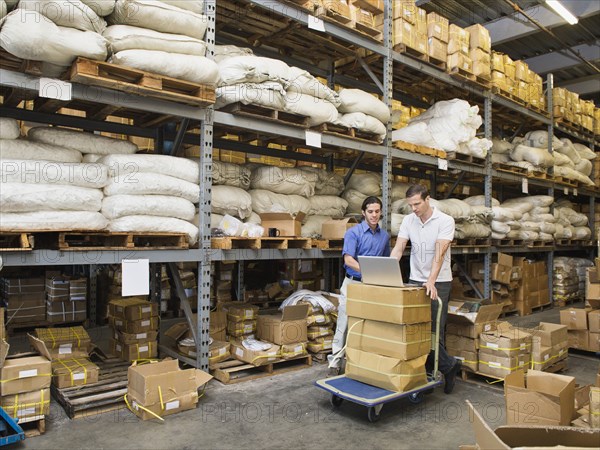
x,y
228,243
235,371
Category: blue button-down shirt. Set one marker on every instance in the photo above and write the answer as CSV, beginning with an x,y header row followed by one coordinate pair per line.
x,y
362,241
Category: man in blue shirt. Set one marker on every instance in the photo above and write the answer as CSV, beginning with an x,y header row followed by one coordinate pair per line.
x,y
364,239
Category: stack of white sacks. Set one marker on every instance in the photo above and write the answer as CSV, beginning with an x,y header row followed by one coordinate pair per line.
x,y
448,125
529,219
273,84
531,152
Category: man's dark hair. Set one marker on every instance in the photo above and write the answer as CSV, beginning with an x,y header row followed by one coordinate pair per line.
x,y
369,201
416,189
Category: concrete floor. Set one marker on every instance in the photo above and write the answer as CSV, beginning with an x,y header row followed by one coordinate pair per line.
x,y
288,411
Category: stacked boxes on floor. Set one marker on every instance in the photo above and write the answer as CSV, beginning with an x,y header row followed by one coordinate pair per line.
x,y
480,50
66,299
389,336
25,389
459,56
25,300
437,36
502,277
466,322
584,324
533,290
241,320
134,326
165,290
302,274
68,349
321,328
504,350
190,286
287,329
549,345
222,274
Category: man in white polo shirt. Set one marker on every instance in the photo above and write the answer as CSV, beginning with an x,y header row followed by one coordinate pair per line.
x,y
430,232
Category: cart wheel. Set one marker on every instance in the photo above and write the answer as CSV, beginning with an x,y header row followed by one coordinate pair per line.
x,y
416,397
336,401
372,414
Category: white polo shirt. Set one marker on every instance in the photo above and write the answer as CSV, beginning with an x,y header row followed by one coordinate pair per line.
x,y
423,238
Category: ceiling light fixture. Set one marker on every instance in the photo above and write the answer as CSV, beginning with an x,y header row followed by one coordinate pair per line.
x,y
562,11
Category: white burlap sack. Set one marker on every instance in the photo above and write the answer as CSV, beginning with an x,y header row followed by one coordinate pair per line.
x,y
584,167
25,197
50,172
530,226
304,83
230,174
354,199
399,190
498,235
328,183
196,69
562,160
253,69
536,156
584,151
156,224
571,173
500,158
215,220
83,142
159,16
502,214
477,147
3,9
31,36
126,37
548,228
231,200
101,7
65,13
417,133
479,200
466,230
91,157
327,205
311,228
52,220
546,236
539,139
266,201
24,149
582,233
363,122
229,51
269,94
501,146
500,227
9,128
316,109
365,183
356,100
196,6
396,222
284,180
141,183
182,168
454,207
253,218
116,206
400,207
568,149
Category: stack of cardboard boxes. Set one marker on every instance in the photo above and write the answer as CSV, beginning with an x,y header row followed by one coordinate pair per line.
x,y
504,350
66,299
533,290
302,274
25,299
549,345
321,329
459,56
134,326
241,320
409,27
480,46
288,330
222,281
68,349
437,37
190,286
389,336
366,15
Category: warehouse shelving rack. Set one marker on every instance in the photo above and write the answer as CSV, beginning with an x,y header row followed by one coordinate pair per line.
x,y
209,120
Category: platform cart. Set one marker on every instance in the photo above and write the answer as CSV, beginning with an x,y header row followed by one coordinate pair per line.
x,y
344,388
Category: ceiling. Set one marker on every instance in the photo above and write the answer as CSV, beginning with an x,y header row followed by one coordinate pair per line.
x,y
513,34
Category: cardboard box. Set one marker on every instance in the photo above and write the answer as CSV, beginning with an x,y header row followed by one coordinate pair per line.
x,y
463,322
336,229
65,311
28,404
594,321
21,375
27,310
218,325
74,372
469,360
33,285
461,343
162,388
315,332
594,407
500,366
460,61
497,62
134,326
578,339
132,309
241,328
135,338
290,351
541,357
57,288
437,49
531,437
438,27
403,342
592,285
257,358
404,305
479,38
64,343
242,312
551,395
593,342
403,33
574,318
289,327
132,352
506,340
550,334
286,223
384,372
501,274
458,40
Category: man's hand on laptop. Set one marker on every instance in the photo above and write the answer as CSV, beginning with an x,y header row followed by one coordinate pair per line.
x,y
430,289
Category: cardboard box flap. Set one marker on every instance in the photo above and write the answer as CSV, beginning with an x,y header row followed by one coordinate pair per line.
x,y
295,312
202,377
39,346
177,331
460,310
4,347
345,220
516,379
282,216
484,435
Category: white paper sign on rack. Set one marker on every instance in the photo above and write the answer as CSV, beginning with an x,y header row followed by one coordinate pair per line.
x,y
314,23
566,191
313,139
136,277
525,186
575,192
442,164
56,89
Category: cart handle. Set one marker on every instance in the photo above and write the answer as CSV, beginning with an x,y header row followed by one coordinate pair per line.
x,y
435,337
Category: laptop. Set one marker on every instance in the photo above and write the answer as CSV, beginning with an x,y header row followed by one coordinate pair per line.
x,y
380,270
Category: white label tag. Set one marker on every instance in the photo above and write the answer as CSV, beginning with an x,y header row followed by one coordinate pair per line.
x,y
141,335
476,250
523,346
28,373
239,352
69,345
575,192
118,323
525,186
466,190
118,347
145,323
146,309
546,357
442,164
298,349
143,348
172,405
78,376
492,345
64,350
566,191
221,351
56,89
314,23
313,138
487,327
495,364
26,412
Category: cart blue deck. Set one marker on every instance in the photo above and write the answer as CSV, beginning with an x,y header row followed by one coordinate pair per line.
x,y
365,394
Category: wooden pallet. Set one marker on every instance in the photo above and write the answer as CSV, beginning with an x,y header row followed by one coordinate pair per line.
x,y
506,242
368,30
565,181
92,240
235,371
539,244
329,11
537,109
467,375
413,148
501,167
561,303
461,74
405,49
559,366
310,6
439,63
328,244
508,95
11,62
33,426
263,113
96,398
16,242
229,243
135,81
466,158
472,242
352,133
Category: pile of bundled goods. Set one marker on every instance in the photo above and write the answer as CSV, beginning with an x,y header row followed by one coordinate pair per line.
x,y
569,275
66,298
25,300
570,108
134,324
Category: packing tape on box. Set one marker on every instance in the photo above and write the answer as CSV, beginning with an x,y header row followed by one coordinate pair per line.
x,y
500,366
137,406
18,407
392,341
21,378
541,363
137,348
71,372
401,375
73,330
297,351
